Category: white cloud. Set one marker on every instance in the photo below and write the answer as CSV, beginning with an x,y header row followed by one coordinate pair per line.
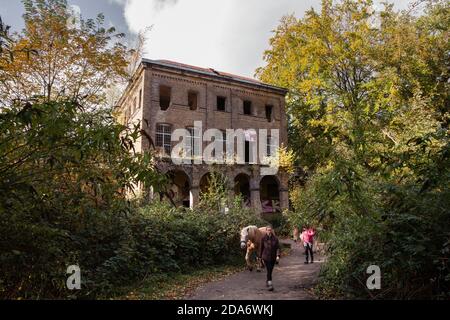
x,y
120,2
74,16
228,35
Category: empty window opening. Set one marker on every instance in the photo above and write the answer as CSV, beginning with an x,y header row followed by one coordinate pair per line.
x,y
134,105
223,141
165,95
192,100
271,146
221,103
269,112
247,152
270,195
247,107
193,143
163,137
140,99
127,114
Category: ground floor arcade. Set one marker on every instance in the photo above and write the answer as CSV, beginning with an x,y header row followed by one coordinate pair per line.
x,y
265,194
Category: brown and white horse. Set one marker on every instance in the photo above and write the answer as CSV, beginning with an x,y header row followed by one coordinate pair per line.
x,y
250,240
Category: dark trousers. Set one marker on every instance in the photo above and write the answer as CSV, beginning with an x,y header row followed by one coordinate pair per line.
x,y
269,267
309,251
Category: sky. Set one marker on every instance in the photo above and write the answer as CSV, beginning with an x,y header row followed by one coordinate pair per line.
x,y
227,35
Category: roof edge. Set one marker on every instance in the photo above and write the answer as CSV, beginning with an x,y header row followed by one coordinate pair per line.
x,y
284,91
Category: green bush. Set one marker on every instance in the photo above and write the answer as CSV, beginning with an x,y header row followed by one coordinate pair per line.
x,y
160,239
402,228
280,222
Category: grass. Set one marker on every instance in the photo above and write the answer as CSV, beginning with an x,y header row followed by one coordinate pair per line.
x,y
177,286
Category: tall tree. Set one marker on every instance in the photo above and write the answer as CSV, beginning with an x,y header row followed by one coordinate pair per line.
x,y
369,109
75,58
352,70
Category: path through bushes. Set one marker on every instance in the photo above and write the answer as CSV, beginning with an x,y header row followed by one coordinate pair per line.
x,y
293,280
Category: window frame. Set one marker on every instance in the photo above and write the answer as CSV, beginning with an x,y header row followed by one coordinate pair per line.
x,y
192,137
164,134
269,144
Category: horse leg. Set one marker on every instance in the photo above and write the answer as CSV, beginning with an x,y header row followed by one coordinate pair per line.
x,y
247,259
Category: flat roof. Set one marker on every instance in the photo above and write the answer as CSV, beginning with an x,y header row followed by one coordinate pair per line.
x,y
213,73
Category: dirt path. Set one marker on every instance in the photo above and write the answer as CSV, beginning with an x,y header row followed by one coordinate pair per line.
x,y
292,280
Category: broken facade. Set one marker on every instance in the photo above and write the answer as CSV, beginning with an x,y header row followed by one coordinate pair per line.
x,y
165,96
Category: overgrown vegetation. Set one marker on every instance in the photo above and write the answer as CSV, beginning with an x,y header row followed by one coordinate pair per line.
x,y
369,111
66,166
369,123
62,203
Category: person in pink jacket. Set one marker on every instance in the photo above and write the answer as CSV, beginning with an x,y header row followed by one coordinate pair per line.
x,y
307,238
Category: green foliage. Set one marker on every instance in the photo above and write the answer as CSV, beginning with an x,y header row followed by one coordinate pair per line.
x,y
55,58
62,202
67,169
368,106
280,222
63,172
215,197
160,239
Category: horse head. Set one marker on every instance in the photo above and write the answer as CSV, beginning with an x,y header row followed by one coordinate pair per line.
x,y
245,235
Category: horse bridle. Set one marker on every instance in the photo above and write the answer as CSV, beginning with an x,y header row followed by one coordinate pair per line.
x,y
243,242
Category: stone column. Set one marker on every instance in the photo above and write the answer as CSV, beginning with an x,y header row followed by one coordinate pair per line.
x,y
194,196
255,197
284,191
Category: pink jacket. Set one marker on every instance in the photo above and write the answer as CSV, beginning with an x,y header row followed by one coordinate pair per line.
x,y
308,236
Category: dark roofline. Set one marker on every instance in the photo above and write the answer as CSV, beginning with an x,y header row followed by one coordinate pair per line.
x,y
214,74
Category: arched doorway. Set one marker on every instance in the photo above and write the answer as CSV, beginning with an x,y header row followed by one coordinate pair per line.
x,y
242,188
205,183
179,188
270,194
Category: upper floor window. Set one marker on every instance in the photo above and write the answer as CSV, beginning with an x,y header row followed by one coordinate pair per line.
x,y
127,114
221,103
134,108
271,146
247,152
223,141
140,99
193,142
163,137
165,96
269,113
247,107
192,100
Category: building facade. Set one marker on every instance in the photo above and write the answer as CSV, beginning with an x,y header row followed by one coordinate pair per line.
x,y
164,96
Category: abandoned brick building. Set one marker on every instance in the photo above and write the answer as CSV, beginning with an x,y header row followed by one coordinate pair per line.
x,y
165,95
